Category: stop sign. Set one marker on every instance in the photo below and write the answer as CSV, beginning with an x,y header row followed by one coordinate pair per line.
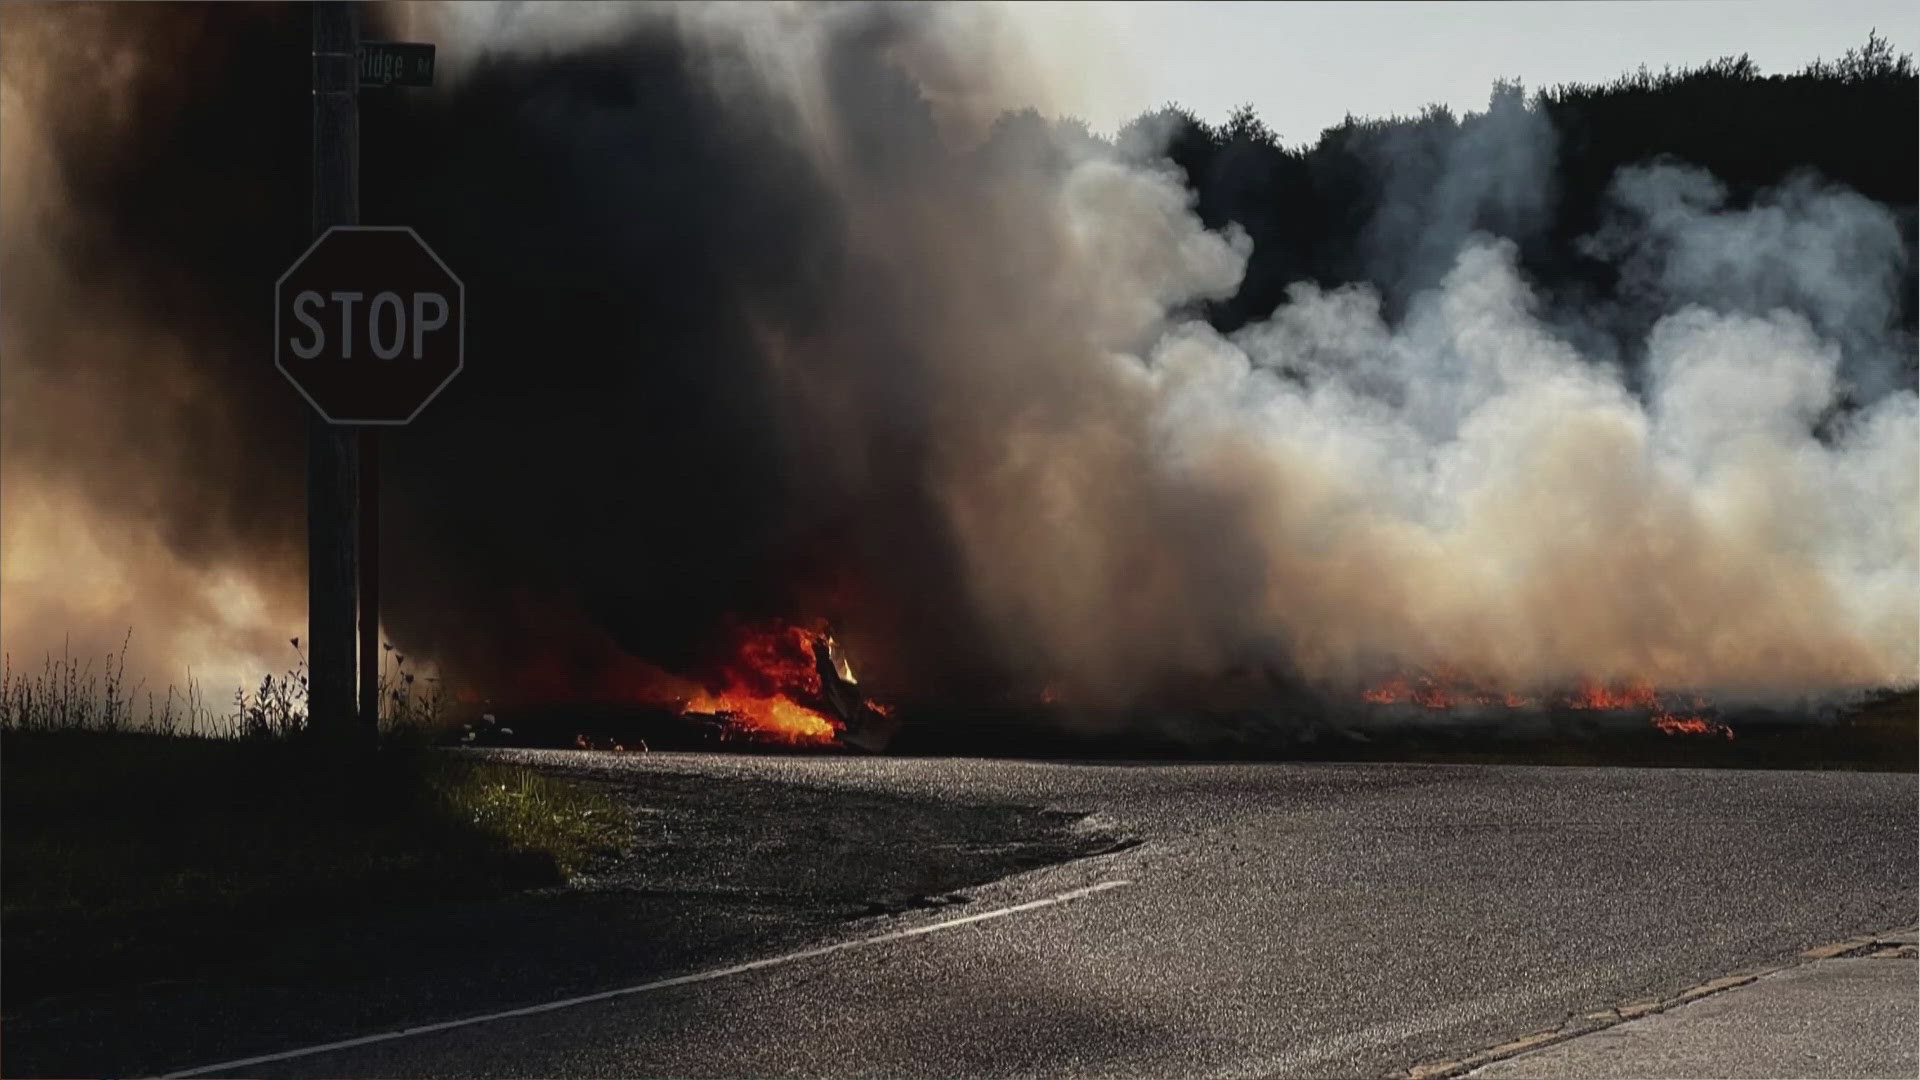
x,y
369,324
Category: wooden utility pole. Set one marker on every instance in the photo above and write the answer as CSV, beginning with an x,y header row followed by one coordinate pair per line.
x,y
333,450
369,578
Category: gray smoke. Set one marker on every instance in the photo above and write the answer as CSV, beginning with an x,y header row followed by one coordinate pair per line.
x,y
1806,246
137,491
1136,499
1442,181
969,336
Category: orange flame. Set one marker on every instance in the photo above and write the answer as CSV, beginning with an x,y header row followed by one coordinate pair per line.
x,y
1444,688
1689,725
1634,695
760,691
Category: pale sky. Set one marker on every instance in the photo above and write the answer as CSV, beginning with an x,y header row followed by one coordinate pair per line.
x,y
1305,65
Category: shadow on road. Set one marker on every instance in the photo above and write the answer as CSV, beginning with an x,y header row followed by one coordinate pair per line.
x,y
715,870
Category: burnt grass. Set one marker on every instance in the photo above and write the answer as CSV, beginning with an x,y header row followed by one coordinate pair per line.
x,y
170,906
1878,732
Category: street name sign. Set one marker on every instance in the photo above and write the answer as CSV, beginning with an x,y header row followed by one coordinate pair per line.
x,y
396,63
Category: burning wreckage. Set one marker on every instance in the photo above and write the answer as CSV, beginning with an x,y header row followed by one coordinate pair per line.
x,y
781,685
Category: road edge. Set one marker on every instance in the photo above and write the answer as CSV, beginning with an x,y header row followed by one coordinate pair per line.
x,y
1634,1009
704,975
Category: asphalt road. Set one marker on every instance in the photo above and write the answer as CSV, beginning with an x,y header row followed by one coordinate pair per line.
x,y
1291,920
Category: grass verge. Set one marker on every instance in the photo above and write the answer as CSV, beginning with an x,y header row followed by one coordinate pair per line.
x,y
127,856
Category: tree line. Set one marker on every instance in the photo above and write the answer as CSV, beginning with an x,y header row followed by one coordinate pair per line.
x,y
1320,212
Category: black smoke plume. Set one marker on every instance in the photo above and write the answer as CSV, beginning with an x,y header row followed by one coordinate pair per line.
x,y
780,312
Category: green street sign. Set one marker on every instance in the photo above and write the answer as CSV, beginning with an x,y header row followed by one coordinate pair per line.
x,y
395,63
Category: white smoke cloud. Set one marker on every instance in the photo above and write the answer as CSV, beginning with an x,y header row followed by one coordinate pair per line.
x,y
1828,253
1137,497
1465,489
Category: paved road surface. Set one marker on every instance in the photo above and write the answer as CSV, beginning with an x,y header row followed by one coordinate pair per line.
x,y
1293,920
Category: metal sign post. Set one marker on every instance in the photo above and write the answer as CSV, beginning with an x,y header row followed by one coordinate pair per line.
x,y
369,326
333,452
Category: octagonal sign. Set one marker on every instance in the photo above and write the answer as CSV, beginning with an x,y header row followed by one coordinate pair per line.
x,y
369,324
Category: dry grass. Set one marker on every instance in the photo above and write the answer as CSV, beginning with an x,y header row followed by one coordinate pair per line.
x,y
129,840
70,693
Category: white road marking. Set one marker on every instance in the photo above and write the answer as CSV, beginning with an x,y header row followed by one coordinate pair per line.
x,y
662,984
